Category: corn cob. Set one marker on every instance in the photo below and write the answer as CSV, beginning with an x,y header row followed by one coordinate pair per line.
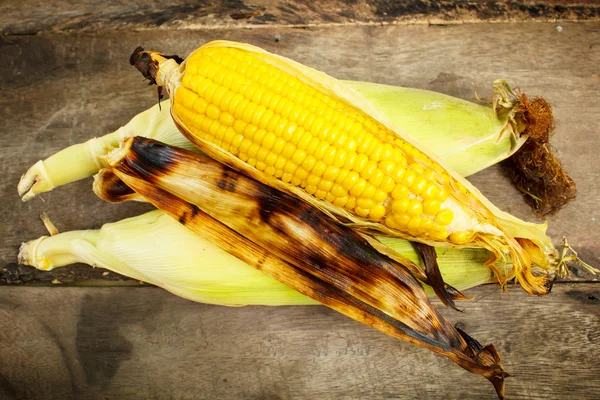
x,y
297,244
456,130
306,133
156,249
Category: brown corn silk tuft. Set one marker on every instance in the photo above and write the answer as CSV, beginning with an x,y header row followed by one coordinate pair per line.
x,y
534,169
339,269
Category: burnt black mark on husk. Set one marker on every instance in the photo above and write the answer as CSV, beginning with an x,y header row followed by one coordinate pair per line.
x,y
113,188
228,180
188,215
434,275
355,256
150,158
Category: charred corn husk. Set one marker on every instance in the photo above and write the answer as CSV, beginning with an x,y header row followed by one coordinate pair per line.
x,y
297,244
156,249
303,132
468,136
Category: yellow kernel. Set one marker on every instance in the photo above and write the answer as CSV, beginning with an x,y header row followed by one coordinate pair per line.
x,y
301,173
340,201
414,224
400,191
409,177
299,156
341,176
270,170
311,189
288,150
369,169
260,165
218,96
262,154
366,203
236,101
401,220
442,195
417,168
350,161
387,184
329,198
278,146
321,149
431,191
296,181
444,217
377,212
380,196
243,156
331,173
426,225
361,162
439,233
398,173
358,187
351,203
319,168
200,105
369,191
309,163
286,177
313,180
350,180
387,166
459,237
419,184
226,119
340,158
270,159
329,155
431,206
361,212
239,126
213,112
376,178
338,191
415,207
258,113
248,112
253,150
229,133
325,185
400,206
312,145
389,222
304,140
290,168
279,164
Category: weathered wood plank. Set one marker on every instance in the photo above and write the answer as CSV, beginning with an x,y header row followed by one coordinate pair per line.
x,y
92,343
63,89
32,17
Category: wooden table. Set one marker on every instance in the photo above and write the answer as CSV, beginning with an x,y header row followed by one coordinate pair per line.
x,y
65,78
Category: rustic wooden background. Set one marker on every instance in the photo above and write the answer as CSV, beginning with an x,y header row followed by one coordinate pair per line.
x,y
65,77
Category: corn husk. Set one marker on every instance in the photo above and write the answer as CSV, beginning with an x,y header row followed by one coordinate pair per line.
x,y
297,244
155,248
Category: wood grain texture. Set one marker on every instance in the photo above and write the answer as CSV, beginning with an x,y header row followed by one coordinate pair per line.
x,y
29,17
125,343
63,89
